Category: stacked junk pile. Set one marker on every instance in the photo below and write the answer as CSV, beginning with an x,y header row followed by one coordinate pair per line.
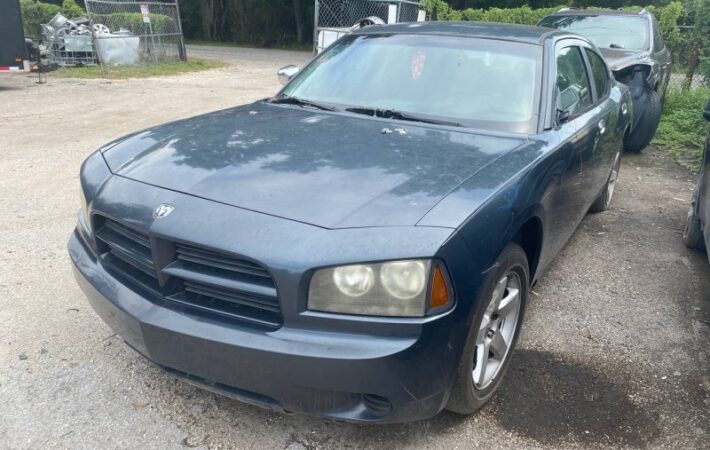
x,y
68,42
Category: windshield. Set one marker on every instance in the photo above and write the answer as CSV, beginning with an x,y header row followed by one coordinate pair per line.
x,y
477,83
627,32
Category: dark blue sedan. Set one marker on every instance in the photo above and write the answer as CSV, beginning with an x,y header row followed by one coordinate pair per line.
x,y
362,245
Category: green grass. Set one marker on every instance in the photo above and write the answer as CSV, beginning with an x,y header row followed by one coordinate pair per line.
x,y
139,71
682,129
307,47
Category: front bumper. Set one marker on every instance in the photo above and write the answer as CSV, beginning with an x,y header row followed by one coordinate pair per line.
x,y
352,375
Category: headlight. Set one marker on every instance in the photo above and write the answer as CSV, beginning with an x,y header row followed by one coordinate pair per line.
x,y
398,288
404,279
354,281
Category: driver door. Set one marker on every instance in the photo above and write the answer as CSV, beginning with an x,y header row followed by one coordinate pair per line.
x,y
578,119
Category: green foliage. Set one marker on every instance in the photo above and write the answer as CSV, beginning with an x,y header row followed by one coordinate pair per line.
x,y
133,21
698,42
682,129
668,16
71,9
526,15
35,13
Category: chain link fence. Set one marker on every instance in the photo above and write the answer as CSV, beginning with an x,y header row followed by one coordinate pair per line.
x,y
136,32
333,18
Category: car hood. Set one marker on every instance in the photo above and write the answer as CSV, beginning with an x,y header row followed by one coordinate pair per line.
x,y
326,169
618,59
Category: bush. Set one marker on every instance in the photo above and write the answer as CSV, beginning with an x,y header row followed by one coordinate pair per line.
x,y
35,13
683,129
72,10
133,21
668,17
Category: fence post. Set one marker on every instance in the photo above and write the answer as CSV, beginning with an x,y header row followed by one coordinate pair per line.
x,y
315,26
181,47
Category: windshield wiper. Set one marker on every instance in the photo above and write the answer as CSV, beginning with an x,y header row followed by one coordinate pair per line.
x,y
616,46
286,100
398,115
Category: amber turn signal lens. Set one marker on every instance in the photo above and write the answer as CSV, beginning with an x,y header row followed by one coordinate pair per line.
x,y
439,290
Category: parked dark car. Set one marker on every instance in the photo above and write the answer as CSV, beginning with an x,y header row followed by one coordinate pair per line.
x,y
697,232
632,45
361,245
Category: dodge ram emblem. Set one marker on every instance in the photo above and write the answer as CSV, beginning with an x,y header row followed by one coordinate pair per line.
x,y
163,210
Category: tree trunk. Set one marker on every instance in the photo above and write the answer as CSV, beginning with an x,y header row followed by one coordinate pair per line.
x,y
693,62
299,20
207,13
241,16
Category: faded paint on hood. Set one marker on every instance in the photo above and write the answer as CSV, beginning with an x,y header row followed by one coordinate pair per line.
x,y
326,169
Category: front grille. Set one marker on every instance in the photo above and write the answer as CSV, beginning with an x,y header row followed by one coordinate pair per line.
x,y
216,282
189,278
127,251
219,262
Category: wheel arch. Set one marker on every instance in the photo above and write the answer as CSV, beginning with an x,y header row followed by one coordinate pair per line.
x,y
529,237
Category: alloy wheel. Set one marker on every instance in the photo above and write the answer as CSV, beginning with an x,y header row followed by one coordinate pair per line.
x,y
497,330
612,179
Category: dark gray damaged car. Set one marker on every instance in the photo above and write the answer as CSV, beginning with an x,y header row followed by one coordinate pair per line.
x,y
633,47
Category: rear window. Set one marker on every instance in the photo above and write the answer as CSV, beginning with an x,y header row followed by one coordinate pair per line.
x,y
621,32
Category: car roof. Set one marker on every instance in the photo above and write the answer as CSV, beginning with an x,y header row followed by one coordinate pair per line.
x,y
599,12
486,30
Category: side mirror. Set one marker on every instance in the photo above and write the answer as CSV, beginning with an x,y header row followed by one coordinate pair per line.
x,y
286,73
562,116
706,111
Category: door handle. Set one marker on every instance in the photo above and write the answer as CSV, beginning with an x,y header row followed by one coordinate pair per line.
x,y
602,126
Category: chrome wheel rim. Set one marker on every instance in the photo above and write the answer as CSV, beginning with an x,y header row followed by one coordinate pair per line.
x,y
497,330
612,179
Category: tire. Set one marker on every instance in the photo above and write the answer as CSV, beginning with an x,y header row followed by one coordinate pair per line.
x,y
467,395
693,231
604,200
641,136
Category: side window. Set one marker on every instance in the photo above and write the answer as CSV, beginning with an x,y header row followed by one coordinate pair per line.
x,y
573,90
657,38
599,72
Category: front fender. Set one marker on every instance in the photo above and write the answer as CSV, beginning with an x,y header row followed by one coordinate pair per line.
x,y
637,78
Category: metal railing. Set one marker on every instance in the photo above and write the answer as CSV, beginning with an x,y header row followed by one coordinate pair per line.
x,y
333,18
136,32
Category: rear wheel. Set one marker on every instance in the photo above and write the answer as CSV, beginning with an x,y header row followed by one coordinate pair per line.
x,y
641,136
604,200
491,339
693,232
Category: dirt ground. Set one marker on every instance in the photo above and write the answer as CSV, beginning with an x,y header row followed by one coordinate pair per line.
x,y
614,352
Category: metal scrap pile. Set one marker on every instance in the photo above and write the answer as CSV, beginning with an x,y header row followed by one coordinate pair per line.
x,y
68,42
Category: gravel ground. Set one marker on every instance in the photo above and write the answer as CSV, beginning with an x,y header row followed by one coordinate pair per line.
x,y
614,351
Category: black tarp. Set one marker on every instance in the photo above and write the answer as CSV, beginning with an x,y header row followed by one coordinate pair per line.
x,y
12,37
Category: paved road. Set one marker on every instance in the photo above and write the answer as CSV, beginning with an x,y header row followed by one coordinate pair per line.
x,y
614,351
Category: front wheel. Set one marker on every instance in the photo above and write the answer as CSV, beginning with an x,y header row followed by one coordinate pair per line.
x,y
491,339
646,127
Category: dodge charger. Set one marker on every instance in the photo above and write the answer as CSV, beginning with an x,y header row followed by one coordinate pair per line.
x,y
361,245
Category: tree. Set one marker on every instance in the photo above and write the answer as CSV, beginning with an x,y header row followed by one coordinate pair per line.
x,y
300,25
699,39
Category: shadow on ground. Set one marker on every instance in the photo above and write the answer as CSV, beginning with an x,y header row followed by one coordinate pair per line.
x,y
544,398
548,399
